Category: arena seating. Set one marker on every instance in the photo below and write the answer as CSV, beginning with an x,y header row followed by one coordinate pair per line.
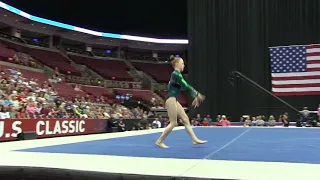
x,y
26,100
144,56
98,91
159,72
27,74
64,90
67,91
50,58
114,70
5,53
109,69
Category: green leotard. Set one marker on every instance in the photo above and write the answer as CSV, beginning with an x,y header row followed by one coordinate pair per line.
x,y
176,83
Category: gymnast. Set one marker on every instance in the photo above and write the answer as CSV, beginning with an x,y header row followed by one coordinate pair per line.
x,y
174,108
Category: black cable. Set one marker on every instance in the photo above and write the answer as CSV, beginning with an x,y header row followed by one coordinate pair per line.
x,y
236,74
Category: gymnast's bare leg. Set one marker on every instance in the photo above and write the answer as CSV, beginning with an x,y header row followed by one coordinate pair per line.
x,y
175,109
182,114
171,105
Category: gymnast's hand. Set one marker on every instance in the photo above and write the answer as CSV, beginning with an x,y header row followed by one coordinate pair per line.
x,y
195,102
201,98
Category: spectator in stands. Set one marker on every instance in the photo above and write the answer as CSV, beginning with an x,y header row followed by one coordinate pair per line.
x,y
198,118
12,111
247,121
77,88
260,121
31,107
205,122
284,119
54,79
218,118
135,113
253,121
100,115
21,114
156,123
15,59
14,99
165,122
4,114
53,112
121,126
305,112
209,119
161,119
45,110
33,82
272,121
224,121
78,112
180,122
3,82
62,113
153,102
38,108
56,70
145,115
194,122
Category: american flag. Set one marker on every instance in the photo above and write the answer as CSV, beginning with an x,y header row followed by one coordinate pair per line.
x,y
295,70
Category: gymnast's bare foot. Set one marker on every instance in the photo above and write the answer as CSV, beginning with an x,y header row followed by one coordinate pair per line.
x,y
162,145
199,142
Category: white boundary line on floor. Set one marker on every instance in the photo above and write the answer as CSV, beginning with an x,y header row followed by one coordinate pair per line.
x,y
141,165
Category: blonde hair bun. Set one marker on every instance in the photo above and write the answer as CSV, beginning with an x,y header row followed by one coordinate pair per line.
x,y
172,57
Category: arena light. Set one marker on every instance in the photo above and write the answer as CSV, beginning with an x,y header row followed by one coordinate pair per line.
x,y
3,5
87,31
154,40
50,22
111,35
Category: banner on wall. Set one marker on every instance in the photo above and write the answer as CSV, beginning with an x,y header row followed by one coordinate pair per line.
x,y
10,128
